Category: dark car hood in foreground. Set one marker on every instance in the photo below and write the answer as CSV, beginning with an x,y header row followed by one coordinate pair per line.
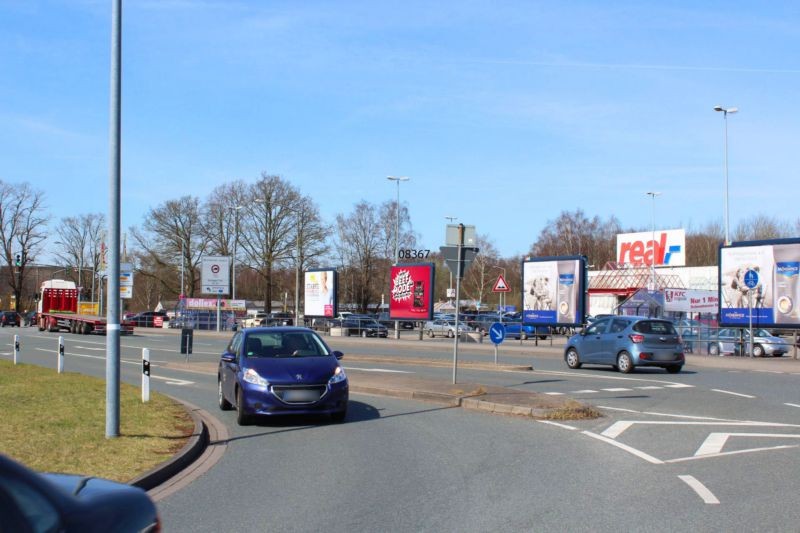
x,y
285,370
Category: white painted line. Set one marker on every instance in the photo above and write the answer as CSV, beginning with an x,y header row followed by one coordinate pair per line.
x,y
638,453
88,348
550,422
649,387
715,441
618,389
554,393
733,393
792,404
679,386
348,368
173,381
606,377
616,429
586,391
689,417
706,495
617,409
737,452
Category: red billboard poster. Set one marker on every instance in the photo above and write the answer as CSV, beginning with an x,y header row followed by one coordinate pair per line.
x,y
411,289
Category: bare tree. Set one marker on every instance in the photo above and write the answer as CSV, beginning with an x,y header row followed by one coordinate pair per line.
x,y
759,227
80,244
360,247
480,277
702,246
575,234
22,230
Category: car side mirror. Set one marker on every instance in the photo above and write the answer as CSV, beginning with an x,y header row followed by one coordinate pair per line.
x,y
228,357
337,354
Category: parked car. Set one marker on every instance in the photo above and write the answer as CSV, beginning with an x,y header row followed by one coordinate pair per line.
x,y
277,319
444,327
384,319
363,327
147,319
254,320
31,501
626,342
765,343
688,328
281,371
515,330
9,318
29,318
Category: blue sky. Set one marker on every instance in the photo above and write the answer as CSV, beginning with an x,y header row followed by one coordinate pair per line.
x,y
503,114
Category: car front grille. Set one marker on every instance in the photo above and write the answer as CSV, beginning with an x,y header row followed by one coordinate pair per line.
x,y
299,394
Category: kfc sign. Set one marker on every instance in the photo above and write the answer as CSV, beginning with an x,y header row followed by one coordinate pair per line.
x,y
642,249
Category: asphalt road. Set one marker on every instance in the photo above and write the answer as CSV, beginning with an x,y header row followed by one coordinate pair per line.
x,y
710,449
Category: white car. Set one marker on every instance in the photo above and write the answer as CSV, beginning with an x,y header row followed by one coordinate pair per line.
x,y
253,321
444,327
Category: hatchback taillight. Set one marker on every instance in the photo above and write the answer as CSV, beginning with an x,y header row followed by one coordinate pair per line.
x,y
635,337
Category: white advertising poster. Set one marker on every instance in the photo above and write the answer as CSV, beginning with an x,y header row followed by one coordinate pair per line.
x,y
666,247
320,293
552,291
691,301
215,274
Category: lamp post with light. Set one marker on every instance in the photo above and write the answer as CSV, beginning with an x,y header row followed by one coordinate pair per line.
x,y
653,240
397,179
725,111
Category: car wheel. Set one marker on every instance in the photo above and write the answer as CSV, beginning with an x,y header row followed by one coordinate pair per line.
x,y
224,404
573,360
542,337
674,369
713,349
758,351
430,333
625,363
450,334
241,417
339,416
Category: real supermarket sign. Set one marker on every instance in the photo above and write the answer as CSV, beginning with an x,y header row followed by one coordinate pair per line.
x,y
668,247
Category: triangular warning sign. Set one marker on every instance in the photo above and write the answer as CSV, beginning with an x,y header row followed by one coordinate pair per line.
x,y
501,285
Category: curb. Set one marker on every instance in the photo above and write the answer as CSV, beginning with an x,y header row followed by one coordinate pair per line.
x,y
191,450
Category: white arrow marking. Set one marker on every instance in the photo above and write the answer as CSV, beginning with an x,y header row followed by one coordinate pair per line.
x,y
700,489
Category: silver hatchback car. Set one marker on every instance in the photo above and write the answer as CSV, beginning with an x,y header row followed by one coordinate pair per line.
x,y
626,342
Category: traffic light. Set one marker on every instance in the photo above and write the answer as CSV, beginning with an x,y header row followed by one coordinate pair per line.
x,y
18,260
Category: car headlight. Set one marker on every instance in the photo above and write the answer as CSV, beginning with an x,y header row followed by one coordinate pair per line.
x,y
251,376
338,376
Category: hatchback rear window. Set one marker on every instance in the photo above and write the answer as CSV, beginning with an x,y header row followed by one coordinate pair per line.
x,y
659,327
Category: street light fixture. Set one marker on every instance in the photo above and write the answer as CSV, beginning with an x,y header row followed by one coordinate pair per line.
x,y
653,241
397,179
725,112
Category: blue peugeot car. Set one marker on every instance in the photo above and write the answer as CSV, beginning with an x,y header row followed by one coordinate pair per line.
x,y
626,342
273,371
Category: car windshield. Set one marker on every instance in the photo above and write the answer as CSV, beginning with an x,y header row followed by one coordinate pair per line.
x,y
284,344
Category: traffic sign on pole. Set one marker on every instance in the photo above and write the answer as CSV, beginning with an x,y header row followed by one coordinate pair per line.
x,y
501,285
751,279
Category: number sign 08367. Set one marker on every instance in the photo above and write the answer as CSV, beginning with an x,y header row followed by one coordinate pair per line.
x,y
413,254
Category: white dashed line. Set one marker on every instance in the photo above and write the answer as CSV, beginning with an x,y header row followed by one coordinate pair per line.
x,y
617,389
554,393
551,423
706,495
649,387
733,393
792,404
587,391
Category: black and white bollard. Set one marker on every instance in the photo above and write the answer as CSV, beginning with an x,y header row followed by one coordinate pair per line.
x,y
145,375
16,348
60,354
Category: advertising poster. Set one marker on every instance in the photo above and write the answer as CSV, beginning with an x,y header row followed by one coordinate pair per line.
x,y
410,292
774,299
320,293
553,291
691,301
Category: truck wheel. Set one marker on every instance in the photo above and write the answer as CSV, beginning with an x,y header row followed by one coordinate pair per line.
x,y
85,328
40,324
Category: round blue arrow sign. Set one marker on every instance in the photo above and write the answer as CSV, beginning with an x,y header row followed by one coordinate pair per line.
x,y
751,279
497,332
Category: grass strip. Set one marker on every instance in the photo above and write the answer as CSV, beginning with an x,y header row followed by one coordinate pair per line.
x,y
56,423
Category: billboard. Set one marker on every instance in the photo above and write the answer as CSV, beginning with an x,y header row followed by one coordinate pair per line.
x,y
666,247
411,290
554,290
760,279
320,293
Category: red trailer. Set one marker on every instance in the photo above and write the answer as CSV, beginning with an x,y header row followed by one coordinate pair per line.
x,y
58,311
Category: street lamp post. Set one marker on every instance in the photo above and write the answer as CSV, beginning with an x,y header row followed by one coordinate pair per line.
x,y
235,210
725,111
653,240
397,179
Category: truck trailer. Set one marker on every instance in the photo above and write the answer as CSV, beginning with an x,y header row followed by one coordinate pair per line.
x,y
58,311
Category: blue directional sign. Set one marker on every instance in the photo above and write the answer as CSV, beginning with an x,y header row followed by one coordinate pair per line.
x,y
751,279
497,332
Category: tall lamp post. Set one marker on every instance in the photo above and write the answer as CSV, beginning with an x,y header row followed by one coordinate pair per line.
x,y
653,241
235,209
397,179
725,111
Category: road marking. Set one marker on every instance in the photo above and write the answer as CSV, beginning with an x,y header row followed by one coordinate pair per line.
x,y
554,393
671,384
173,381
715,441
586,391
551,423
792,404
617,409
378,370
736,452
638,453
733,393
617,428
706,495
89,348
649,387
679,386
618,389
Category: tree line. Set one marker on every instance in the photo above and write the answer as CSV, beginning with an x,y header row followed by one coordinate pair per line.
x,y
273,230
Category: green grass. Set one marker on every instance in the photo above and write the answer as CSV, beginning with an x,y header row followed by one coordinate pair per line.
x,y
56,423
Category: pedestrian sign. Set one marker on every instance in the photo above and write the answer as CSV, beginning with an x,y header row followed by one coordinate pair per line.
x,y
501,285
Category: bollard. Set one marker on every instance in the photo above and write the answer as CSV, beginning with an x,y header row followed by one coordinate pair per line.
x,y
60,354
145,375
16,348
